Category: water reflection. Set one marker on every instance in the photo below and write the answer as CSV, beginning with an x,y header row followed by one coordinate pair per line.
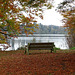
x,y
58,39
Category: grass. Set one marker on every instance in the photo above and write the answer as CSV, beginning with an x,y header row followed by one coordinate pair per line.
x,y
73,48
57,48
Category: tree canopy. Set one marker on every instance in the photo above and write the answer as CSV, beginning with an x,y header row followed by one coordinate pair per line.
x,y
15,13
67,9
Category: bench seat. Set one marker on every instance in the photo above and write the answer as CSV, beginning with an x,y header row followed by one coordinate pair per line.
x,y
39,46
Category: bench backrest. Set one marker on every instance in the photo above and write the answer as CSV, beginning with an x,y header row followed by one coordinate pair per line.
x,y
41,46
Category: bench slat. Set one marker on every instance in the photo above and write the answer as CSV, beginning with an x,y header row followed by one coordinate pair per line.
x,y
40,46
41,43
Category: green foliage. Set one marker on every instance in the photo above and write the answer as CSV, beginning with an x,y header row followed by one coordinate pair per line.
x,y
54,50
57,48
73,48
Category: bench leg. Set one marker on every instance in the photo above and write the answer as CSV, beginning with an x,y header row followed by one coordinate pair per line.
x,y
51,50
54,50
27,51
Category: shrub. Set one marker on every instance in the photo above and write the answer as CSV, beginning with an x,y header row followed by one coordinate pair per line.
x,y
57,48
73,48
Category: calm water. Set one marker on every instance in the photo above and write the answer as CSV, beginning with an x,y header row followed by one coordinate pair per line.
x,y
58,39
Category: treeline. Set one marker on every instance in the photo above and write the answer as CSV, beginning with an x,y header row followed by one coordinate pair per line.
x,y
50,29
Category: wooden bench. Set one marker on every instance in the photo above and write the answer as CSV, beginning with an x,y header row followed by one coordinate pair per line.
x,y
39,46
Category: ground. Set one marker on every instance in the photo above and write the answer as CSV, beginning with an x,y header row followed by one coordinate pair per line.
x,y
18,63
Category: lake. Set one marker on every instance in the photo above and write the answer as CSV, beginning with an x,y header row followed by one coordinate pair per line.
x,y
58,39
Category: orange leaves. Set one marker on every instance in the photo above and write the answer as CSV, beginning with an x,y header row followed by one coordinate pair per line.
x,y
34,21
68,13
30,32
11,6
11,16
46,63
69,20
27,19
26,32
1,15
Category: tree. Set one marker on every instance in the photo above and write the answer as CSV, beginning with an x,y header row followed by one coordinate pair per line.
x,y
67,9
12,20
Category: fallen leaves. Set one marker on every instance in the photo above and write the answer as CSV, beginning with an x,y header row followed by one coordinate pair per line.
x,y
37,64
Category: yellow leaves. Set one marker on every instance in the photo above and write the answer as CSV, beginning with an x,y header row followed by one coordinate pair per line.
x,y
65,15
2,38
30,32
34,21
49,6
11,17
2,41
68,12
27,19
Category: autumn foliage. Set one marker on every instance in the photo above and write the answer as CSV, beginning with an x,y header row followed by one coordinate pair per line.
x,y
14,13
67,10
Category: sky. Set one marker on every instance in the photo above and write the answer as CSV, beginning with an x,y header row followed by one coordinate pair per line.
x,y
52,17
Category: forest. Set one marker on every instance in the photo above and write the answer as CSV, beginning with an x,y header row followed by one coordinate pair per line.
x,y
50,29
47,29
